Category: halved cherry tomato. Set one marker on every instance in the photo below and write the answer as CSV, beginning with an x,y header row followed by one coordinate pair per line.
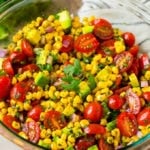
x,y
7,67
135,67
133,101
67,43
117,82
144,61
29,67
146,96
122,89
32,130
8,120
123,61
143,118
54,120
93,111
134,50
103,145
127,124
18,91
35,112
115,102
101,22
5,84
95,129
129,38
108,47
86,43
84,143
17,57
27,48
103,29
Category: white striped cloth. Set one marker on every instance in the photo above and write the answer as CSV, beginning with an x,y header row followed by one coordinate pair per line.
x,y
128,15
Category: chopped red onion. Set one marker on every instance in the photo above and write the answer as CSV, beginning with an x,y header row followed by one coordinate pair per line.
x,y
3,52
144,83
49,29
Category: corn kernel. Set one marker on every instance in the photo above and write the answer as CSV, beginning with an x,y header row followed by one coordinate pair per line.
x,y
16,125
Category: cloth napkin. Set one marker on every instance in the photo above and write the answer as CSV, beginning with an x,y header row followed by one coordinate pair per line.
x,y
129,15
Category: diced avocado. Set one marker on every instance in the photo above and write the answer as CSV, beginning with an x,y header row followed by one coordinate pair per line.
x,y
65,19
41,57
84,89
91,82
33,36
87,29
43,144
41,79
93,147
133,80
3,33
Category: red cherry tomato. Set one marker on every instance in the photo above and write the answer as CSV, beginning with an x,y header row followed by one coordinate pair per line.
x,y
7,67
18,91
134,50
86,43
115,102
129,38
144,61
30,67
5,84
27,48
84,143
93,111
16,57
95,129
35,112
32,130
143,118
133,101
8,120
54,120
108,47
103,145
146,96
103,29
127,124
122,89
123,61
135,67
67,43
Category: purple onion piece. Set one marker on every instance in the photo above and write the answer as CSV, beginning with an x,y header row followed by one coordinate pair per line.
x,y
144,83
49,29
3,53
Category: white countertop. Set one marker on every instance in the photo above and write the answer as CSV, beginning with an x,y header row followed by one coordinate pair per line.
x,y
7,145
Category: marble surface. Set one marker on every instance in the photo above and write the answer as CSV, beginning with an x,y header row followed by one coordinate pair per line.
x,y
89,4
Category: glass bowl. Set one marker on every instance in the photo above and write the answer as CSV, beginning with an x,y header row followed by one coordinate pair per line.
x,y
127,15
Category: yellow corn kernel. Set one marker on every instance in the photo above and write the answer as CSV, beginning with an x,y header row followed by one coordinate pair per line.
x,y
27,106
102,84
57,133
69,110
84,123
94,68
64,136
2,105
43,133
61,144
42,116
115,70
4,111
71,139
16,125
103,121
57,45
89,98
47,141
23,135
122,94
12,111
147,75
54,146
19,106
110,140
97,57
14,80
64,93
125,139
119,46
137,90
59,108
77,100
146,89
